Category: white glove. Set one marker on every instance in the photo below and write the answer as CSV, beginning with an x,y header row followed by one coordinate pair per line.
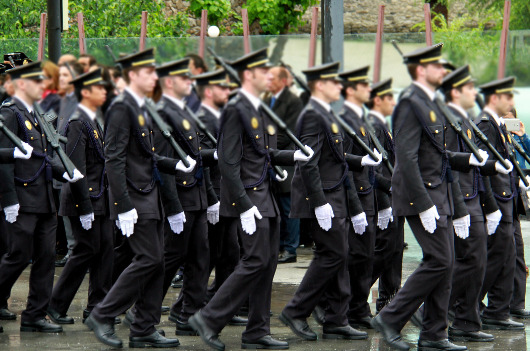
x,y
428,219
500,168
126,222
359,223
248,220
182,168
19,154
86,220
521,184
176,222
473,160
11,213
215,156
492,221
212,213
368,161
300,156
461,226
280,178
75,178
383,217
324,215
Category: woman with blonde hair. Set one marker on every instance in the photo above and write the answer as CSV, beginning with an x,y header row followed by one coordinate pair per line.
x,y
50,97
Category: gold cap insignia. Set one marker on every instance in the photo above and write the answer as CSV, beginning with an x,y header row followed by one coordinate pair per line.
x,y
141,120
254,123
28,125
363,132
334,128
433,116
271,130
96,135
469,134
509,139
186,124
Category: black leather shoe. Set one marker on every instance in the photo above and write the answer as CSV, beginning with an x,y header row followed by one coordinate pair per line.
x,y
363,322
173,317
392,337
177,281
42,326
500,324
129,318
62,261
417,318
238,321
299,327
184,328
86,313
520,313
207,335
7,315
445,345
461,335
286,257
264,343
346,332
153,340
58,318
319,315
164,309
104,332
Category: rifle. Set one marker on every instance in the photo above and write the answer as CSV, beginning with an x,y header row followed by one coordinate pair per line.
x,y
378,146
201,126
297,79
520,150
53,138
159,121
12,136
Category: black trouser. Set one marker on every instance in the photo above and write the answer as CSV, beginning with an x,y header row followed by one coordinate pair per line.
x,y
251,280
498,283
93,249
468,276
30,238
519,282
389,270
140,282
224,253
189,249
429,284
327,276
360,265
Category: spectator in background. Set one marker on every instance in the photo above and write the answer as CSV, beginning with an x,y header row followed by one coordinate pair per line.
x,y
50,99
87,61
197,66
521,138
66,58
9,88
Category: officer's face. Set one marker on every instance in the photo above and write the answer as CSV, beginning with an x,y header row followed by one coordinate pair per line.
x,y
8,86
468,96
220,95
362,92
505,104
387,104
33,88
144,79
96,95
259,79
64,79
330,90
434,74
181,86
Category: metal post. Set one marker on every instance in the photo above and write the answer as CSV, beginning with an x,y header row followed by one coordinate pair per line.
x,y
81,29
204,29
313,38
246,39
143,30
54,30
379,43
428,24
42,36
504,40
332,31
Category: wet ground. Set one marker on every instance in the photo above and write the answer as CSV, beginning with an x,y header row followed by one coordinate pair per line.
x,y
78,337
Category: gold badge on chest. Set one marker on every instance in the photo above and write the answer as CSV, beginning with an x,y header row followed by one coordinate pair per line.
x,y
254,123
96,135
334,128
28,125
363,132
433,116
271,130
469,134
186,124
141,120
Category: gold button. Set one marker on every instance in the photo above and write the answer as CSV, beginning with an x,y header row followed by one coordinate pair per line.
x,y
45,150
43,135
31,138
89,189
412,203
467,195
184,182
483,205
25,184
504,193
336,141
233,204
361,188
517,162
266,146
255,188
76,205
344,154
153,149
103,143
200,148
307,198
115,204
140,189
257,136
197,133
151,132
436,131
36,124
190,137
143,134
445,144
429,184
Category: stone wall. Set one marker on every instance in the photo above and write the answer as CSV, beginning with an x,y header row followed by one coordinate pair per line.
x,y
360,16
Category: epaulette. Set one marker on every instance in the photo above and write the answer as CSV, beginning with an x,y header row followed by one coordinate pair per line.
x,y
485,118
233,100
75,116
160,105
201,113
7,103
407,93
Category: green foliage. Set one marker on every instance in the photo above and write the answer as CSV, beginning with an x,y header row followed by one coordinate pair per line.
x,y
519,14
217,9
275,16
20,18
